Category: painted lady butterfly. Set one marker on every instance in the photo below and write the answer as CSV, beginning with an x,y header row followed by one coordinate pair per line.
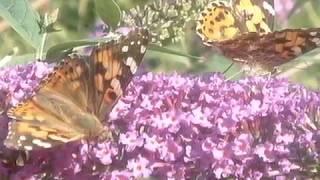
x,y
71,102
242,31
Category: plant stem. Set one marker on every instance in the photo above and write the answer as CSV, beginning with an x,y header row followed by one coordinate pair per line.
x,y
44,39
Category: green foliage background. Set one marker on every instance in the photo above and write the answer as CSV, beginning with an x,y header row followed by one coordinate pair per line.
x,y
78,18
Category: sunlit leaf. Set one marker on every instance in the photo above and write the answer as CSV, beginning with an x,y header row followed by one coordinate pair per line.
x,y
16,60
23,19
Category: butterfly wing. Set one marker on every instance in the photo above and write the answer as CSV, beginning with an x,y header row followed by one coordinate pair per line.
x,y
269,12
65,106
254,15
217,23
53,115
272,49
114,65
69,77
221,21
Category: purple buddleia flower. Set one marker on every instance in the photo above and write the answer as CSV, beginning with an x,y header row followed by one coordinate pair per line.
x,y
184,127
21,80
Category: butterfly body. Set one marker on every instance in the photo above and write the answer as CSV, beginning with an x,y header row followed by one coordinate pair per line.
x,y
73,101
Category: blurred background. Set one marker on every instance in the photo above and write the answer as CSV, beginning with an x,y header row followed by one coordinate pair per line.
x,y
79,20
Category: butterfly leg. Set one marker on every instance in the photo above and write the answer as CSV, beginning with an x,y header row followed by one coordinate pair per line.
x,y
228,68
275,71
234,75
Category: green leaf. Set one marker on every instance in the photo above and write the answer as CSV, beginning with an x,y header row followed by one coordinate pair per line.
x,y
155,47
57,50
23,19
297,5
109,12
16,60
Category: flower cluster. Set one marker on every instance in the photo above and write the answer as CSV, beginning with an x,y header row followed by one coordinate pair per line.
x,y
21,80
187,127
165,19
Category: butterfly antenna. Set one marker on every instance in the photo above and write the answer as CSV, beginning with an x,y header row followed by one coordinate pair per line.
x,y
228,68
234,75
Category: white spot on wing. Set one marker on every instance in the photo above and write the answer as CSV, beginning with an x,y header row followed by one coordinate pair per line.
x,y
22,138
142,49
132,64
269,8
125,49
58,138
316,40
41,143
313,33
28,148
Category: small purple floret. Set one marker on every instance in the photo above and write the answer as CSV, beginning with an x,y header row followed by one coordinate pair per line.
x,y
186,127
